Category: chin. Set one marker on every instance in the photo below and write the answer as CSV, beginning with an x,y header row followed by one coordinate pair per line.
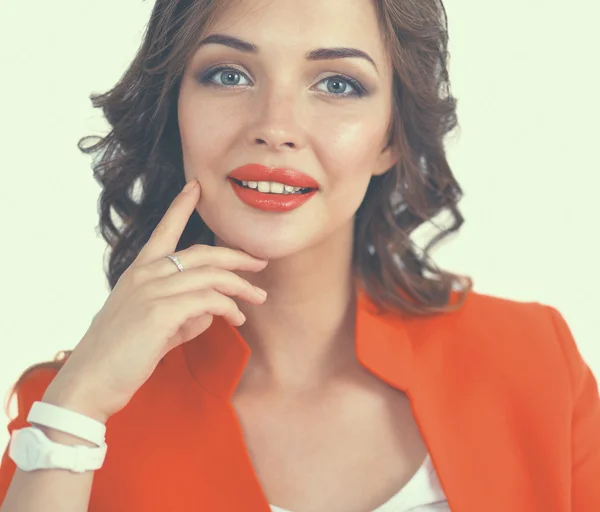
x,y
268,237
267,248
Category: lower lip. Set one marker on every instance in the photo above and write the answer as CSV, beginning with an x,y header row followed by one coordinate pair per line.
x,y
270,202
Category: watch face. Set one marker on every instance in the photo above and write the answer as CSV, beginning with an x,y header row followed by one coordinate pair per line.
x,y
24,450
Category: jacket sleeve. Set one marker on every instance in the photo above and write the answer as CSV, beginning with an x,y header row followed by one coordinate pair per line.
x,y
31,389
585,426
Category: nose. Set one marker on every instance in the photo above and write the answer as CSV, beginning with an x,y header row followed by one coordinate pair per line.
x,y
276,125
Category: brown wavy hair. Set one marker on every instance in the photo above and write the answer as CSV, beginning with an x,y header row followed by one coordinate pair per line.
x,y
139,163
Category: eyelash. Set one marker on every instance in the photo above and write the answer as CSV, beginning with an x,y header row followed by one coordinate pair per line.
x,y
359,90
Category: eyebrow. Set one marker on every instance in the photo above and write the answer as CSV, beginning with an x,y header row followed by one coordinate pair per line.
x,y
318,54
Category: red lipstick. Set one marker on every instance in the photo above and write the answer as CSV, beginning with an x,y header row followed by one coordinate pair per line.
x,y
272,202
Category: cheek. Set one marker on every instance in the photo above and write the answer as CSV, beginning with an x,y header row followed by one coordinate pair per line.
x,y
208,130
348,149
350,144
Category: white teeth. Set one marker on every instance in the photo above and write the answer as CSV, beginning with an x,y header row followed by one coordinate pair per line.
x,y
277,188
264,186
271,187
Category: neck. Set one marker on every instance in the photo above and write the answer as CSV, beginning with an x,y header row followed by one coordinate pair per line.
x,y
304,332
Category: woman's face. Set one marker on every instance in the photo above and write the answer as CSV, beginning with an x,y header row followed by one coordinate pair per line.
x,y
282,98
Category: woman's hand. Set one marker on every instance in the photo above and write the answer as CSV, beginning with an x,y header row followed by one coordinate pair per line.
x,y
152,309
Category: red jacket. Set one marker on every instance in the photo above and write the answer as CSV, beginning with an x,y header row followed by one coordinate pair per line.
x,y
508,409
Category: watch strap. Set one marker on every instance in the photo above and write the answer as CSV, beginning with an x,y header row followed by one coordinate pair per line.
x,y
31,449
67,421
75,458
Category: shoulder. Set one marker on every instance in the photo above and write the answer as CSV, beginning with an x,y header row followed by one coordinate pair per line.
x,y
31,386
489,316
520,320
493,316
500,336
480,308
526,336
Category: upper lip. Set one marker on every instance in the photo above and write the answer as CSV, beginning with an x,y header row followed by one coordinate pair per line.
x,y
284,175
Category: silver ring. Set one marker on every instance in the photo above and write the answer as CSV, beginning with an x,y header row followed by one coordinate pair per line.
x,y
175,260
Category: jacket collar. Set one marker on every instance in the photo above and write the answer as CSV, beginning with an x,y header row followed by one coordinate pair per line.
x,y
218,357
406,352
439,362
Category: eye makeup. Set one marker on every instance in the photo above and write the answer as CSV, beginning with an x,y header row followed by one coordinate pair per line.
x,y
235,75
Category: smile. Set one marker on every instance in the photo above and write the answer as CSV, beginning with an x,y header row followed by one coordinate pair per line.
x,y
272,187
271,201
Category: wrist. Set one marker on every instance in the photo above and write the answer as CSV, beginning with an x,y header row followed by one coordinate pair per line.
x,y
73,400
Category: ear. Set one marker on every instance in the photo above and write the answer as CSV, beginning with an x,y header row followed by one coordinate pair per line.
x,y
386,160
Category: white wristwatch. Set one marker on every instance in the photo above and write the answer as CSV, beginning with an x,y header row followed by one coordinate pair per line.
x,y
30,449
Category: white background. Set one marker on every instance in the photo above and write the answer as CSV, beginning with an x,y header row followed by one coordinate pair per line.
x,y
526,76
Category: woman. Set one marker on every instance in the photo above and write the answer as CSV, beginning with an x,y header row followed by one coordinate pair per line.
x,y
273,339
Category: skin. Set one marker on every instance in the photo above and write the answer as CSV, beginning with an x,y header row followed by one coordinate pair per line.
x,y
322,432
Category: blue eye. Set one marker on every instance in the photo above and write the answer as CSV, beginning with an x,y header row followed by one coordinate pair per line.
x,y
340,85
224,76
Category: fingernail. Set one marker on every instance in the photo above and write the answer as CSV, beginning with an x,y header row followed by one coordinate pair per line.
x,y
190,185
260,291
242,316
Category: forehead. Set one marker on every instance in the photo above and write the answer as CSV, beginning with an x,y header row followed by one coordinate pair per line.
x,y
303,24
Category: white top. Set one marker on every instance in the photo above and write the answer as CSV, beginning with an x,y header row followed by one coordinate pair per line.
x,y
422,493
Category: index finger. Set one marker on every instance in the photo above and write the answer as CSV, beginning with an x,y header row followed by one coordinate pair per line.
x,y
167,233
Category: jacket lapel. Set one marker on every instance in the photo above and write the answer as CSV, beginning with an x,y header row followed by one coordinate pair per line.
x,y
465,421
471,420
